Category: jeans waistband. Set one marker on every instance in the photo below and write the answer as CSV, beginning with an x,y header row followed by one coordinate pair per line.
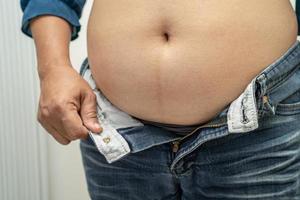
x,y
271,84
275,81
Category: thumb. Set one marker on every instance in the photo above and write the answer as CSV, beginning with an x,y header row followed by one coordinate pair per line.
x,y
88,112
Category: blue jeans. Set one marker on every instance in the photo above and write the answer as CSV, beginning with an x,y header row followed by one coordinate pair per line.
x,y
250,150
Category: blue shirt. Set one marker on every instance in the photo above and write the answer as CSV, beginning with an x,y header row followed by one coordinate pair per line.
x,y
69,10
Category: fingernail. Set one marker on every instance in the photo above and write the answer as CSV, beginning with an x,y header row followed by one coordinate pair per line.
x,y
97,126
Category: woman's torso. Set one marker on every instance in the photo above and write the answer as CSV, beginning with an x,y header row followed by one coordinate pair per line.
x,y
182,62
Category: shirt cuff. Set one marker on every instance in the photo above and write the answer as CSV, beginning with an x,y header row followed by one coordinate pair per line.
x,y
57,8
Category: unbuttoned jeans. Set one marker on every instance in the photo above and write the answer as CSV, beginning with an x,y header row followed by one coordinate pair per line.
x,y
250,150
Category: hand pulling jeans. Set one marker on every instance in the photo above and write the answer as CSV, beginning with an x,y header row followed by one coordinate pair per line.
x,y
250,150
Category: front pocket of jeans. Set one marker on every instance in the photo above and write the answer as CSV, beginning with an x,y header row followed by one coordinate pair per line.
x,y
290,105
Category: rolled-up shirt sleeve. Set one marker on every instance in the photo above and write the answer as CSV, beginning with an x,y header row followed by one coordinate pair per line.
x,y
69,10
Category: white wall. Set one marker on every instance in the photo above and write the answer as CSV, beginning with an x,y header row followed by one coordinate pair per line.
x,y
293,2
23,149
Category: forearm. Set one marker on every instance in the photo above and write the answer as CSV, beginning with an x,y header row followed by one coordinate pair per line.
x,y
52,38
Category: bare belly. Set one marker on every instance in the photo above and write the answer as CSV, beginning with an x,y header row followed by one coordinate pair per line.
x,y
182,62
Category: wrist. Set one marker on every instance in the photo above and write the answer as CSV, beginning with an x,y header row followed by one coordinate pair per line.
x,y
48,69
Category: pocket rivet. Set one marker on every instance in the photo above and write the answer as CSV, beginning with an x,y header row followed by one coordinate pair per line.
x,y
265,99
267,103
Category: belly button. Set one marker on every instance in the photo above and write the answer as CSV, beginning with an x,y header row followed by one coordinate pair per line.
x,y
166,36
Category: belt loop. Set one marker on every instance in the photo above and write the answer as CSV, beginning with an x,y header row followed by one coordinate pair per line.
x,y
261,81
260,91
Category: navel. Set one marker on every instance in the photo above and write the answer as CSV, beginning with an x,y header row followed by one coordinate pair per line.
x,y
166,36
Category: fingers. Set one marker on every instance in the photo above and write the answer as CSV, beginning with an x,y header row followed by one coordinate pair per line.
x,y
88,112
63,123
60,106
71,125
59,138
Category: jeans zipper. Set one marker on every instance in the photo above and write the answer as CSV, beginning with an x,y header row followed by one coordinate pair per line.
x,y
176,143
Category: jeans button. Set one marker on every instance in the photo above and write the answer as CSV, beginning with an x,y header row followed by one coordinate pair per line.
x,y
106,140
